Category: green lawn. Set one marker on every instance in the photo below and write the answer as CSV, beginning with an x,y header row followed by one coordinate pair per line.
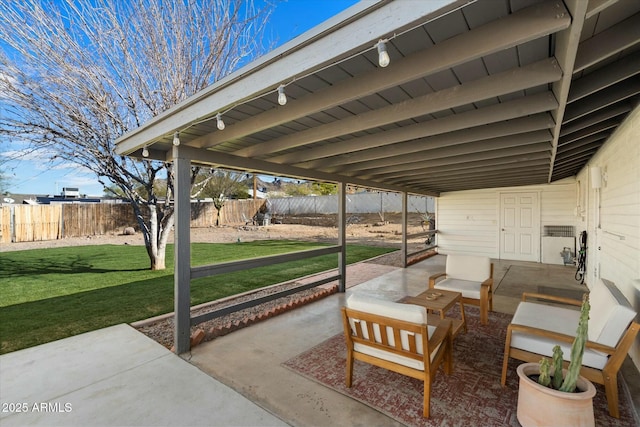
x,y
49,294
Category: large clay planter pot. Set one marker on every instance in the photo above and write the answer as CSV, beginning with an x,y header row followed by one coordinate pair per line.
x,y
543,406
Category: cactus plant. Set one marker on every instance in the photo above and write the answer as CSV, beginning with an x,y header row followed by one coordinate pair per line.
x,y
568,384
544,378
557,367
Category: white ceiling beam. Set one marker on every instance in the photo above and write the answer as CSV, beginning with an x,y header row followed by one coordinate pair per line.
x,y
510,81
524,25
530,105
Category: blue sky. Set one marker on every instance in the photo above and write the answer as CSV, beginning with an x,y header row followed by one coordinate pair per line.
x,y
32,175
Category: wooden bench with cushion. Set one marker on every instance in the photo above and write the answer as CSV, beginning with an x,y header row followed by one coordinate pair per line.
x,y
537,327
472,276
391,335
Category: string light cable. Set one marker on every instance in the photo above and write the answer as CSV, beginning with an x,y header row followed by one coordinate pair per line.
x,y
383,61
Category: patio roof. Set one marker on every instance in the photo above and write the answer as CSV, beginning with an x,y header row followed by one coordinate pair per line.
x,y
477,94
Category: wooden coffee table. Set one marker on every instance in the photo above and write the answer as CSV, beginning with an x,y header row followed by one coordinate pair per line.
x,y
437,300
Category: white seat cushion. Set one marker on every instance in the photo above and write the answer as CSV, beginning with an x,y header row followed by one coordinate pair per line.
x,y
467,288
468,267
551,318
406,312
610,314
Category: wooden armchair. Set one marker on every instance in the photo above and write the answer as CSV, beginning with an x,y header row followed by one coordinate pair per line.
x,y
537,327
396,337
472,276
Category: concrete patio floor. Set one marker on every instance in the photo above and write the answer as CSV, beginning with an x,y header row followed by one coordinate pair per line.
x,y
117,376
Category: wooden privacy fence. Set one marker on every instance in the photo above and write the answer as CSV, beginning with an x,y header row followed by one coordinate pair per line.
x,y
28,223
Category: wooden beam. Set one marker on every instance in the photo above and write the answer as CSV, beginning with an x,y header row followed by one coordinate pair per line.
x,y
597,117
490,177
589,145
608,43
597,6
476,167
445,168
418,146
575,162
520,27
608,125
623,69
533,106
475,172
602,100
208,157
536,74
351,31
566,45
484,185
429,154
484,155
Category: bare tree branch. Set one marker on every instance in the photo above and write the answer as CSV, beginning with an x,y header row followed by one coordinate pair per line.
x,y
75,75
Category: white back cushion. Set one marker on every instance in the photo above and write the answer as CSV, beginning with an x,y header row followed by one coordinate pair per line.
x,y
468,267
407,312
370,304
610,314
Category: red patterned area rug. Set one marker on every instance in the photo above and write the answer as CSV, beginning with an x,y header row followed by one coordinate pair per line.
x,y
470,396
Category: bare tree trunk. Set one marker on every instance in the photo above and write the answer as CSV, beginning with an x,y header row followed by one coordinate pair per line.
x,y
74,76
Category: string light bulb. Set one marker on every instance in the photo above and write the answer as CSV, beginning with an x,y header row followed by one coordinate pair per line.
x,y
282,97
220,122
176,139
383,55
145,151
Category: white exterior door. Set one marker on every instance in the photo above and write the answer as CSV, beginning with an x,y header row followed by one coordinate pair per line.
x,y
519,226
